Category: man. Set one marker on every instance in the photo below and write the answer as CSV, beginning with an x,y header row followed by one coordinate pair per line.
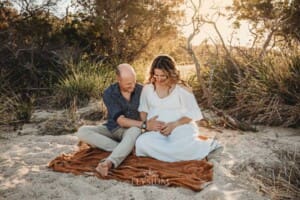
x,y
123,125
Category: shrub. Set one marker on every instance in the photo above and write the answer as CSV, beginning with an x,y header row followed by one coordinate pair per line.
x,y
267,91
86,80
15,109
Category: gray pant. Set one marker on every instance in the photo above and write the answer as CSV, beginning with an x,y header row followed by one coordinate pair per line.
x,y
120,142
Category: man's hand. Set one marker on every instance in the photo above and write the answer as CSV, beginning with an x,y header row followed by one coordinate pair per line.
x,y
154,125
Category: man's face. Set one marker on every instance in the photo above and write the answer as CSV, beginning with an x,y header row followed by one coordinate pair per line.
x,y
127,84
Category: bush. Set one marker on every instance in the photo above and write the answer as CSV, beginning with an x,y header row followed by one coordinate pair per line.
x,y
267,92
15,109
85,81
270,93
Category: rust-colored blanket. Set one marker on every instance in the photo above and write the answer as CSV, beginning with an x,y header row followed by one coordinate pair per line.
x,y
137,170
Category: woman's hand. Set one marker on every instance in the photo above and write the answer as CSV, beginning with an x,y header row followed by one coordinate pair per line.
x,y
168,128
154,125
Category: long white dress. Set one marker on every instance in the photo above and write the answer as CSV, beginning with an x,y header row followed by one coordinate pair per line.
x,y
183,143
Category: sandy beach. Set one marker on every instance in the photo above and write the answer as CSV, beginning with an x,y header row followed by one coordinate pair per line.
x,y
25,154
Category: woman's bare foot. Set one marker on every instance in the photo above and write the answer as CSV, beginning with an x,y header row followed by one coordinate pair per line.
x,y
104,167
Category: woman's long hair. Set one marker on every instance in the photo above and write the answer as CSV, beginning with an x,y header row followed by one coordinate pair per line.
x,y
167,64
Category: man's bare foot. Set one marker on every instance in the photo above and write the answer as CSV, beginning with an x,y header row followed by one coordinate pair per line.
x,y
104,167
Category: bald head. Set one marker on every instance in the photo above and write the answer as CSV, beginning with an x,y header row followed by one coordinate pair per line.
x,y
125,70
126,77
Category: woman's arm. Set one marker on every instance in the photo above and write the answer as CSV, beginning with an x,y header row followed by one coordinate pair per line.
x,y
169,127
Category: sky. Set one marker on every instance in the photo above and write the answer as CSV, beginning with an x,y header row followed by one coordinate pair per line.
x,y
62,5
242,36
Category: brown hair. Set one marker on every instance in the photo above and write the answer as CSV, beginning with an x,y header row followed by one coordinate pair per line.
x,y
167,64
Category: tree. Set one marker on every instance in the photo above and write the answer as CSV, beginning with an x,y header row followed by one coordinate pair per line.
x,y
127,27
197,20
27,58
278,19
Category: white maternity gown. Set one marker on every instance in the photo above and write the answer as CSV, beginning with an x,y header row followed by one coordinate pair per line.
x,y
183,143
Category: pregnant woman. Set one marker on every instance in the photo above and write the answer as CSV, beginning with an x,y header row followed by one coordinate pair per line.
x,y
168,99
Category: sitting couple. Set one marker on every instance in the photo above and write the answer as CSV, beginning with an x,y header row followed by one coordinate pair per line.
x,y
165,110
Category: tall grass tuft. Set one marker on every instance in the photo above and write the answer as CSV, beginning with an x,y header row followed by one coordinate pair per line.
x,y
222,82
86,80
15,109
270,92
281,182
267,92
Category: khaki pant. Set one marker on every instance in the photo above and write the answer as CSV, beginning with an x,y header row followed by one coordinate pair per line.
x,y
120,142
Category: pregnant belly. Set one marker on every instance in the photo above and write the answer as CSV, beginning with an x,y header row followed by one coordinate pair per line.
x,y
165,115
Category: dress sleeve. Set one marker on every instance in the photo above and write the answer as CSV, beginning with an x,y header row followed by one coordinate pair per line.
x,y
190,105
144,105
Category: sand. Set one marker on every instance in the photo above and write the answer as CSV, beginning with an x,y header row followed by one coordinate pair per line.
x,y
24,174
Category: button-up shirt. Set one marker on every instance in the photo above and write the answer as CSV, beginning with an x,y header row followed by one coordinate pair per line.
x,y
117,105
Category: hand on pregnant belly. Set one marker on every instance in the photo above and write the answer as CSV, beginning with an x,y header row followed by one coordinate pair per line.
x,y
155,125
168,128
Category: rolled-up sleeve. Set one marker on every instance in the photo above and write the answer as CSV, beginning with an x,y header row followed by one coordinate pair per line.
x,y
190,105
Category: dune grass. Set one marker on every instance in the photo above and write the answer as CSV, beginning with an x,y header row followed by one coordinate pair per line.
x,y
282,182
266,92
15,108
86,80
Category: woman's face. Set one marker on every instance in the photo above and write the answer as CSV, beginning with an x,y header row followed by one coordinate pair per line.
x,y
160,77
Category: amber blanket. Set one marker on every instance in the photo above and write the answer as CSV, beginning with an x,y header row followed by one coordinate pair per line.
x,y
137,170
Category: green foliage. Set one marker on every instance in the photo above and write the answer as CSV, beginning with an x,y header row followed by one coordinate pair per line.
x,y
129,26
141,67
268,93
36,47
15,109
292,82
86,80
35,44
28,61
282,17
223,85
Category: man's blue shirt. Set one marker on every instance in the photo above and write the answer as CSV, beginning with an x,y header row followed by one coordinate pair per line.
x,y
117,105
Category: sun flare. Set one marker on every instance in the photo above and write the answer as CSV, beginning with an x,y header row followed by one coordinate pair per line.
x,y
209,10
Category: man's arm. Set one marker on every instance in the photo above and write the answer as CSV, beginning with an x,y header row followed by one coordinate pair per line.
x,y
143,116
127,123
116,112
152,124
